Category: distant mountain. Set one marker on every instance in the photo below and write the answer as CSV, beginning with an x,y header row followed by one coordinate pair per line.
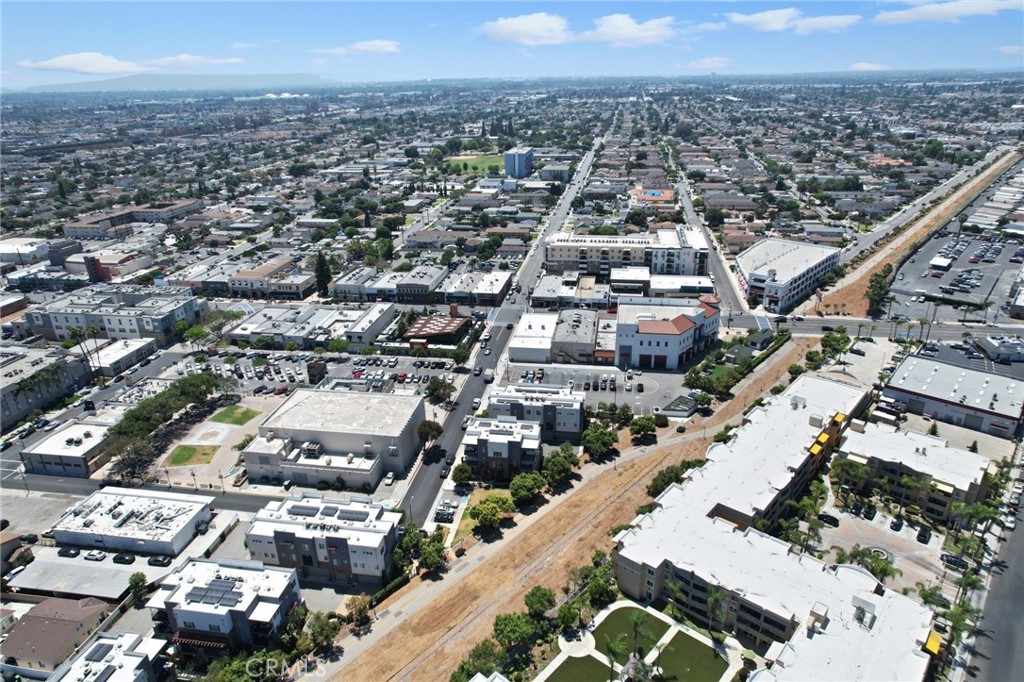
x,y
159,82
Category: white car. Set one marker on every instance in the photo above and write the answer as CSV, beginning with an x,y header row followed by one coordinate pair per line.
x,y
1009,522
390,478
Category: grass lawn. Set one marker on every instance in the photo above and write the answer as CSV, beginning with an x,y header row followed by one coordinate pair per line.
x,y
467,524
235,414
191,454
617,623
481,162
688,660
583,669
721,371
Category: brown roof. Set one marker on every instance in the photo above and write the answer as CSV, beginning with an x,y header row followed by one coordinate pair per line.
x,y
50,629
671,327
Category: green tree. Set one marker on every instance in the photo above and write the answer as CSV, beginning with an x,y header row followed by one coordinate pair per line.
x,y
489,511
513,630
323,629
322,272
460,355
261,342
138,583
429,430
484,658
642,426
614,648
714,217
196,335
524,487
439,390
432,556
878,288
795,371
358,605
462,474
539,600
567,615
598,439
337,346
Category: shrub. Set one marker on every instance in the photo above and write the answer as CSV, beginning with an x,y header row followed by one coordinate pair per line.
x,y
660,420
389,589
681,428
459,551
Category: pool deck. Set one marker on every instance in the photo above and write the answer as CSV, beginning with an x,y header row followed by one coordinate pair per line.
x,y
586,645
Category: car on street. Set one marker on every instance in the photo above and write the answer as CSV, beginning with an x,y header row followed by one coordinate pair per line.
x,y
828,520
159,561
487,351
924,535
70,552
445,470
1009,522
450,459
95,555
896,524
124,558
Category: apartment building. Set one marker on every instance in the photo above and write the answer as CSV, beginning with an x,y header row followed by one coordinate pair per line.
x,y
115,657
347,541
781,273
918,469
117,224
679,251
323,435
48,634
519,162
558,410
32,378
118,311
212,606
498,449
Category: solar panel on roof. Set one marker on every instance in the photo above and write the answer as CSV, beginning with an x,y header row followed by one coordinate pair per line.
x,y
353,515
98,652
105,674
303,510
329,510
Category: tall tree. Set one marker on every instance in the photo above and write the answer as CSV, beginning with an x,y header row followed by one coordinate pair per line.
x,y
323,275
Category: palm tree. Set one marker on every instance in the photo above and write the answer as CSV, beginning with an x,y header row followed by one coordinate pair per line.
x,y
614,648
716,607
638,622
80,336
921,323
844,469
909,484
932,595
967,583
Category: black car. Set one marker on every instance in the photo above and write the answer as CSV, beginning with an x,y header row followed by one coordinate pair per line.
x,y
827,328
954,561
869,512
897,523
450,459
857,508
70,552
4,523
924,536
639,388
29,538
124,558
159,561
445,470
829,520
509,325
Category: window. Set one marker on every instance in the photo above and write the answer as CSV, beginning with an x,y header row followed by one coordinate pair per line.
x,y
189,624
214,628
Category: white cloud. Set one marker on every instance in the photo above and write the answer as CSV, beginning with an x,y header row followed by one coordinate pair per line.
x,y
1011,49
711,26
85,62
622,30
539,28
243,46
868,66
363,47
191,61
709,63
947,11
791,18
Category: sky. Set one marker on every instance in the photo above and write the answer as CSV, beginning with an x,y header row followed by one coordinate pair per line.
x,y
65,42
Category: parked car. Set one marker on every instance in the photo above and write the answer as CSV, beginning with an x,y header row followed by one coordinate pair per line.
x,y
828,520
95,555
445,470
856,508
450,459
869,512
29,538
924,535
159,561
896,524
390,478
69,552
1009,522
124,558
954,561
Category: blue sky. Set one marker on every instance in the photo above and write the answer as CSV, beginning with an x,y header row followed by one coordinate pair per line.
x,y
50,42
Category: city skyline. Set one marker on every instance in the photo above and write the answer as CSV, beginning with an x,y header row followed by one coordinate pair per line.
x,y
44,43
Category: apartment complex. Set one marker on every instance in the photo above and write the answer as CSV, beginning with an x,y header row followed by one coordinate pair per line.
x,y
347,541
118,311
781,272
117,224
500,448
32,378
212,605
918,469
114,657
519,162
323,435
679,251
558,410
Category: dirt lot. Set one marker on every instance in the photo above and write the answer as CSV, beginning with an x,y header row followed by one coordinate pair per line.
x,y
430,640
851,296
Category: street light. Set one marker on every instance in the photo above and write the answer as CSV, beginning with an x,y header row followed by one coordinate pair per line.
x,y
221,477
167,472
194,482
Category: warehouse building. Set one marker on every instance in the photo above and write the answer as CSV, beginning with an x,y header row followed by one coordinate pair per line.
x,y
73,450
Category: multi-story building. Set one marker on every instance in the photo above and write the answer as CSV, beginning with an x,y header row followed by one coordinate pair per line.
x,y
118,311
968,397
679,251
117,224
918,469
114,657
558,410
75,450
348,541
500,448
480,288
368,327
228,604
32,378
135,520
781,273
660,333
48,634
324,435
421,284
519,162
352,285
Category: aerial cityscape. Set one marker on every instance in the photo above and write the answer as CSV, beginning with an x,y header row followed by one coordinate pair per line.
x,y
501,342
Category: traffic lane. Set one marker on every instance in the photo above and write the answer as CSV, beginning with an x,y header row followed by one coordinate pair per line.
x,y
999,650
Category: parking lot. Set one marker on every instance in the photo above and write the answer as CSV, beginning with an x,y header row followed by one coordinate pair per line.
x,y
982,268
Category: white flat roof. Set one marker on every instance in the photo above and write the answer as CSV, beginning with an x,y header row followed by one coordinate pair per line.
x,y
971,388
536,326
923,453
112,352
111,658
787,258
133,513
379,414
196,584
363,524
81,445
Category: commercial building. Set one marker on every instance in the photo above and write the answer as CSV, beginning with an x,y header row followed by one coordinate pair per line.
x,y
33,378
322,435
114,657
352,285
308,326
558,410
575,336
116,357
659,333
941,475
117,224
975,399
519,162
477,288
135,520
533,337
498,449
347,541
679,251
118,311
781,272
235,605
48,635
421,284
367,328
73,450
277,278
23,250
808,619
